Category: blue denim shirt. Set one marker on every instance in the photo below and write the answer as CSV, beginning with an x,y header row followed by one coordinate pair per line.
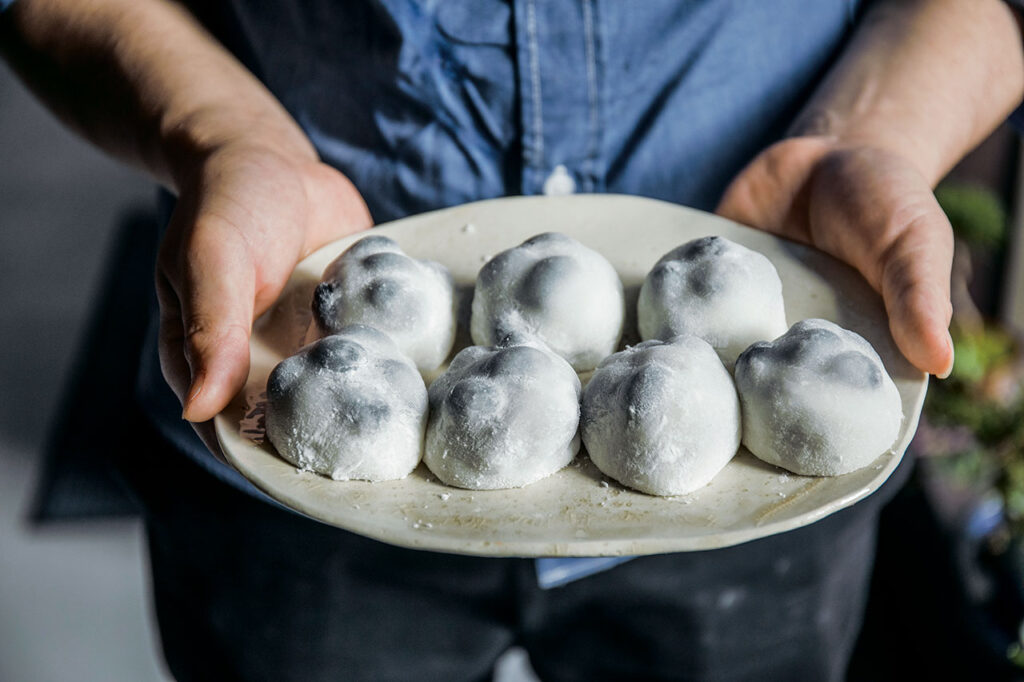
x,y
429,103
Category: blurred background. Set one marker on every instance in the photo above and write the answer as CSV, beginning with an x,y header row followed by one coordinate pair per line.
x,y
72,594
73,571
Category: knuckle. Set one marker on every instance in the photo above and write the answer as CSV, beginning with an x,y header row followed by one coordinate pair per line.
x,y
203,333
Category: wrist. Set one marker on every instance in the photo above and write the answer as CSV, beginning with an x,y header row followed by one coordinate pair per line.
x,y
194,117
187,141
927,150
925,80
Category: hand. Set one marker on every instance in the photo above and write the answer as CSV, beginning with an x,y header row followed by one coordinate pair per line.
x,y
871,209
246,215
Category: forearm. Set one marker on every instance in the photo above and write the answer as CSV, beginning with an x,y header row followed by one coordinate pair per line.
x,y
144,81
925,79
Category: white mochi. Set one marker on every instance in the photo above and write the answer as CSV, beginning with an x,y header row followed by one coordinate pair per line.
x,y
502,418
817,400
349,406
716,289
552,289
374,283
662,417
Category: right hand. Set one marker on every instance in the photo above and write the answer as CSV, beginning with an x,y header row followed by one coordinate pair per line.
x,y
246,215
867,207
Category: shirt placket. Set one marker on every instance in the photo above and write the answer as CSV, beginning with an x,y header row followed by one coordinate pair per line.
x,y
559,79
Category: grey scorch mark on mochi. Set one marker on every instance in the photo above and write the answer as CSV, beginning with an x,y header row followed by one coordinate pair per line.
x,y
349,406
553,289
374,283
662,417
502,418
716,289
817,400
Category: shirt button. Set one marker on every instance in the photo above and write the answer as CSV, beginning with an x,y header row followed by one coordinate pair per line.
x,y
559,183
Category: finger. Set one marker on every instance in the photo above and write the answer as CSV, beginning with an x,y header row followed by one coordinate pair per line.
x,y
214,282
339,209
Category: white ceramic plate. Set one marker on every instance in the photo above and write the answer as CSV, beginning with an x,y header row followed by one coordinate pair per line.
x,y
575,512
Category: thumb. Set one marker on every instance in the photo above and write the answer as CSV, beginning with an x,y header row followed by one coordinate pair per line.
x,y
878,214
915,288
215,287
338,209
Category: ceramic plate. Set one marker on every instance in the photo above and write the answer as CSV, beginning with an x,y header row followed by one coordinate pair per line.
x,y
577,511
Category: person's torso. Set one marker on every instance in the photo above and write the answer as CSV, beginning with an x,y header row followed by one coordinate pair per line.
x,y
430,103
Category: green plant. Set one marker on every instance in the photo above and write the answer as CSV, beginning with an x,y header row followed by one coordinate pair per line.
x,y
984,393
977,215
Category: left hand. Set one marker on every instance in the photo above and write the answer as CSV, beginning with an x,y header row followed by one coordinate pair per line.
x,y
867,207
247,213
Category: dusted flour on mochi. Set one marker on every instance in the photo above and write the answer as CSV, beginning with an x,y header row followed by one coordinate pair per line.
x,y
374,283
716,289
662,417
349,406
817,400
502,417
552,289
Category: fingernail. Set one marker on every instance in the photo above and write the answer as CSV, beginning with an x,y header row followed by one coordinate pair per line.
x,y
949,369
197,388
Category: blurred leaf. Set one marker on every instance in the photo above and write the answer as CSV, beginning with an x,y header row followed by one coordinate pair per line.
x,y
976,353
977,215
1016,654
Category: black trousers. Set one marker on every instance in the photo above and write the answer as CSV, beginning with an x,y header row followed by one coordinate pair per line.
x,y
247,591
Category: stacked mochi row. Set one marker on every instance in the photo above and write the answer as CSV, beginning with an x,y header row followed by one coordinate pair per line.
x,y
662,417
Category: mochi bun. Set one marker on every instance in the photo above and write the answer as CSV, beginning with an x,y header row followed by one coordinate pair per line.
x,y
662,417
716,289
349,406
502,418
374,283
817,400
553,289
